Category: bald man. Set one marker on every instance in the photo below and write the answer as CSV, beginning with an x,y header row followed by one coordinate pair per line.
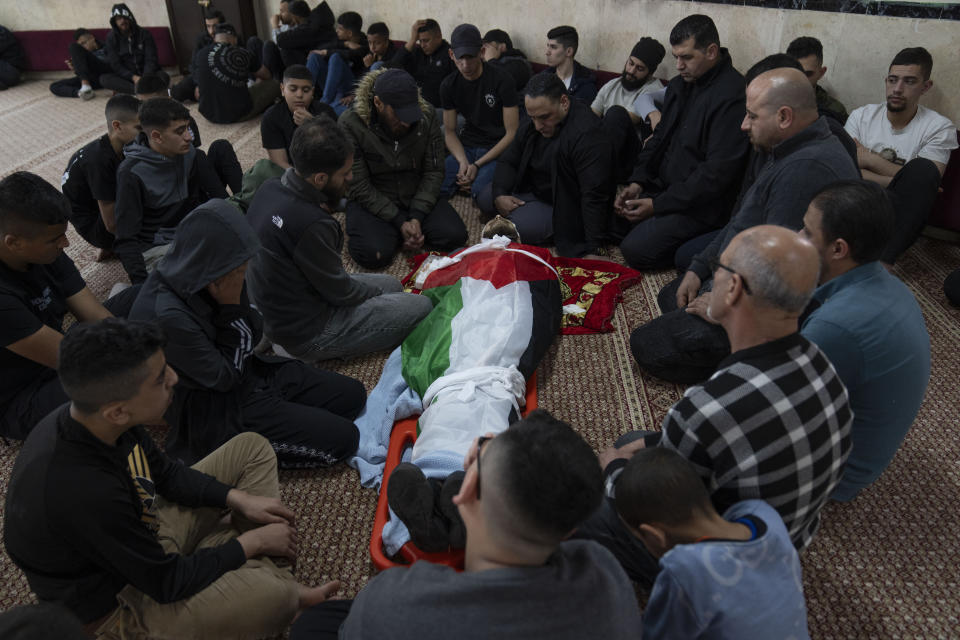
x,y
803,156
773,422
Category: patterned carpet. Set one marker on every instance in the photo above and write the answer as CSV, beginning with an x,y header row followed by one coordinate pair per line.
x,y
885,566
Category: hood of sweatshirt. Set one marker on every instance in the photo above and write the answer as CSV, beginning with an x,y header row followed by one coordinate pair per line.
x,y
119,10
166,179
363,98
213,240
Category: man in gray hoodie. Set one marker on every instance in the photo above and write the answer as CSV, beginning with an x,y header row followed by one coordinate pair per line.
x,y
198,297
161,179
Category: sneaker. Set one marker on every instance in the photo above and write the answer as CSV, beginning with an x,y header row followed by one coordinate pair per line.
x,y
411,497
457,531
86,93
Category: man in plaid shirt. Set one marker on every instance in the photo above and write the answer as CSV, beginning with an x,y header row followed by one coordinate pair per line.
x,y
773,422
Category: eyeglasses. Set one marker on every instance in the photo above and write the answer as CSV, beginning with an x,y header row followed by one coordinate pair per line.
x,y
716,264
480,442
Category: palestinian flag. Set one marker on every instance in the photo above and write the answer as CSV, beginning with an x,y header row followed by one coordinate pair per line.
x,y
495,308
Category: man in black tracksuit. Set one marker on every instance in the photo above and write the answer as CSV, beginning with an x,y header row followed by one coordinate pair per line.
x,y
554,180
687,177
426,56
161,179
198,297
131,52
310,30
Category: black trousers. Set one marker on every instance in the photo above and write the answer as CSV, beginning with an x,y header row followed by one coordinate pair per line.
x,y
912,191
321,621
678,346
374,242
35,401
306,414
9,75
623,136
276,59
223,160
653,243
87,67
183,90
951,288
118,83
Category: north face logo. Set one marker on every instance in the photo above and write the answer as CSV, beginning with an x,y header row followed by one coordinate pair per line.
x,y
491,100
277,220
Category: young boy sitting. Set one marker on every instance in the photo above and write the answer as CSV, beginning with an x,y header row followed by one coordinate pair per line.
x,y
735,576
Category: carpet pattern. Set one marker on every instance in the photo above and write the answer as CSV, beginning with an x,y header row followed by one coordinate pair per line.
x,y
885,566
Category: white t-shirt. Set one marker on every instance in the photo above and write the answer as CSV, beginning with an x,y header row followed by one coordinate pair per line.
x,y
929,135
613,94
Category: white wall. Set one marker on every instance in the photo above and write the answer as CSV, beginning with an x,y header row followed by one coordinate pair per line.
x,y
857,48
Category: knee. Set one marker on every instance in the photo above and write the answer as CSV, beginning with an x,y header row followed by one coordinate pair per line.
x,y
373,255
636,253
252,448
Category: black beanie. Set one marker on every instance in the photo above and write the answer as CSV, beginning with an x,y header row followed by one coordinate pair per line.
x,y
650,52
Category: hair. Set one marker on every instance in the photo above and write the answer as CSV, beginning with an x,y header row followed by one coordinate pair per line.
x,y
659,485
766,278
158,113
103,362
299,8
122,107
545,85
151,83
859,212
771,62
567,36
297,72
547,476
805,46
915,55
80,32
210,14
379,29
319,146
225,27
699,27
45,621
28,203
429,25
351,20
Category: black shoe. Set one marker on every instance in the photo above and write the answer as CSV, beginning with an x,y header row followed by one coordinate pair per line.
x,y
451,487
411,497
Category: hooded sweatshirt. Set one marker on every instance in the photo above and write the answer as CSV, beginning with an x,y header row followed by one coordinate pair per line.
x,y
515,62
133,53
154,193
208,344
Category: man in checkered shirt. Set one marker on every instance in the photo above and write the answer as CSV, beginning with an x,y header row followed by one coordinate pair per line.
x,y
772,423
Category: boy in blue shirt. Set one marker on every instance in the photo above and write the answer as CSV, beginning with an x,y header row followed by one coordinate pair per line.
x,y
735,576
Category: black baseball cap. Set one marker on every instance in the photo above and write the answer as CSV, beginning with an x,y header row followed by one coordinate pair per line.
x,y
466,41
398,89
498,35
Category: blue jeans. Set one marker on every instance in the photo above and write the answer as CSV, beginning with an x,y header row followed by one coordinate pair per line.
x,y
451,167
333,74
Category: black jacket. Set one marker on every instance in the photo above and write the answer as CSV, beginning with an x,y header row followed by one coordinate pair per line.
x,y
11,51
134,53
582,179
428,71
209,345
694,162
297,276
583,84
317,32
516,64
80,527
155,192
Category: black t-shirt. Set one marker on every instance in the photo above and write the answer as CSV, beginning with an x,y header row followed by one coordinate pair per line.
x,y
277,126
28,300
91,175
222,74
481,102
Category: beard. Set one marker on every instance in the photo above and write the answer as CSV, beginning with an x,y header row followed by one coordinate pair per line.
x,y
630,83
896,108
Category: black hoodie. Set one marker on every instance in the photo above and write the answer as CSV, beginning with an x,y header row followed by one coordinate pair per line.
x,y
515,62
133,53
209,344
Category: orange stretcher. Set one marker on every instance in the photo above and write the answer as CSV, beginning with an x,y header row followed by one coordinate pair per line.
x,y
403,435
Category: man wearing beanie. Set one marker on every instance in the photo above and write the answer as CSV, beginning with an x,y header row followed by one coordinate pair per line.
x,y
222,75
637,78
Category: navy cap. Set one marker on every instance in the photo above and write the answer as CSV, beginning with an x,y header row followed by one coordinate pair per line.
x,y
398,89
466,41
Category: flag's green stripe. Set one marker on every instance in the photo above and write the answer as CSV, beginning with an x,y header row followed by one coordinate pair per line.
x,y
426,351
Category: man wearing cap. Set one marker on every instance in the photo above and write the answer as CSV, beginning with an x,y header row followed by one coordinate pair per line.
x,y
222,72
394,198
637,78
487,99
498,50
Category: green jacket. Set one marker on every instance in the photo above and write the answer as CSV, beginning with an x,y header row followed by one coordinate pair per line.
x,y
827,102
395,180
